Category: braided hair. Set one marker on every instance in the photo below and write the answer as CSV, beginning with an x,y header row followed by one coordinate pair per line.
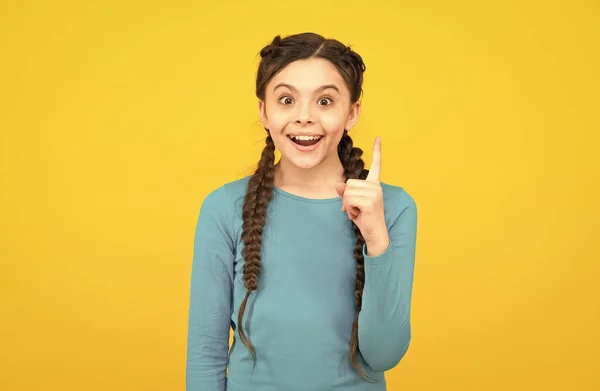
x,y
275,57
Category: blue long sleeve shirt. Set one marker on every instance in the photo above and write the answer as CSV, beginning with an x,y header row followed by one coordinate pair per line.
x,y
300,318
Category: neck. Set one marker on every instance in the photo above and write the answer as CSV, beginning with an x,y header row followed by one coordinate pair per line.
x,y
316,182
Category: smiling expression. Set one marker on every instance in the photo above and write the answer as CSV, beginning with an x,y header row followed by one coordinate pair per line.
x,y
308,102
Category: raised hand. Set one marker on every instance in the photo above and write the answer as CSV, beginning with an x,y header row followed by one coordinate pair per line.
x,y
362,200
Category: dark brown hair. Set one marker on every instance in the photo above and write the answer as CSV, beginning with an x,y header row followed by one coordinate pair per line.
x,y
275,57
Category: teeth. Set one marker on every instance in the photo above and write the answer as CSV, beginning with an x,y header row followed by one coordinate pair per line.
x,y
306,137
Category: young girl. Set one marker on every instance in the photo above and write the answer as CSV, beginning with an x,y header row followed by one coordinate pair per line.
x,y
301,259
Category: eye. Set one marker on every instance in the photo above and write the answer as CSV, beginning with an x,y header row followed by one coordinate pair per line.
x,y
286,100
328,101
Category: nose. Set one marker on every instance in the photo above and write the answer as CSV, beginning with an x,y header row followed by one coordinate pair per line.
x,y
304,116
304,121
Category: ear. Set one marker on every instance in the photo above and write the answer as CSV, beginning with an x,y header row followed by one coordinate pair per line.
x,y
353,116
263,113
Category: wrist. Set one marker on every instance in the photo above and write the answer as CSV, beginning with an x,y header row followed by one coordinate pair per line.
x,y
377,247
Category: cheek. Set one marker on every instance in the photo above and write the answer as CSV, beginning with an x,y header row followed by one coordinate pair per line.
x,y
333,122
277,119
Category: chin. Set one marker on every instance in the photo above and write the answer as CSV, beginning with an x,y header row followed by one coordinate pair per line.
x,y
306,163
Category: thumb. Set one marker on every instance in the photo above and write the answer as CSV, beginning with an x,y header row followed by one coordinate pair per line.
x,y
340,187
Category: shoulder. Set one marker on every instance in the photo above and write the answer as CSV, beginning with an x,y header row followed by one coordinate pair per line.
x,y
399,206
397,197
219,210
226,198
236,189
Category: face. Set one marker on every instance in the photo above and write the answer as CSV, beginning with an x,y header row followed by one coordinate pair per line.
x,y
306,109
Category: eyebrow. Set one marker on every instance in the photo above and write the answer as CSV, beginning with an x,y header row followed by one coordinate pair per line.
x,y
322,88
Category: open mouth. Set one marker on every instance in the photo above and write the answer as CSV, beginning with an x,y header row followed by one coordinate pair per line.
x,y
306,141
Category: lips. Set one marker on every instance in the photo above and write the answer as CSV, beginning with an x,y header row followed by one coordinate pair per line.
x,y
305,134
306,145
305,141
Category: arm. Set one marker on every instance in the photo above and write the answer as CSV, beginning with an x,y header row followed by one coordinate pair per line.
x,y
384,321
210,297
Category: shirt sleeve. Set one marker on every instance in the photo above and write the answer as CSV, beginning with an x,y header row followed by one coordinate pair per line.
x,y
384,330
210,296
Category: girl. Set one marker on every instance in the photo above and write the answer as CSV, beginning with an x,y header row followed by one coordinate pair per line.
x,y
301,259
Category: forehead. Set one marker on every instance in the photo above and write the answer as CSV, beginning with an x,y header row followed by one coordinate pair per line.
x,y
308,75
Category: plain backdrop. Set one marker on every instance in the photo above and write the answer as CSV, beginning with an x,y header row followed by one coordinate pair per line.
x,y
119,117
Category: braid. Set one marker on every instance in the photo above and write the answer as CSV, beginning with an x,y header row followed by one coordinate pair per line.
x,y
354,169
254,210
258,196
350,156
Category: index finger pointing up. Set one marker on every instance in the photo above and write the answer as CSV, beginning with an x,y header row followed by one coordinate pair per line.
x,y
375,169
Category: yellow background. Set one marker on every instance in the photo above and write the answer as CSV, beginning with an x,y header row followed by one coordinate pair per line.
x,y
118,117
